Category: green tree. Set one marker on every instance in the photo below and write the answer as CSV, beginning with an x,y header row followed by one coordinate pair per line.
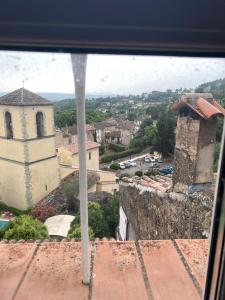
x,y
114,166
96,220
110,209
150,135
75,232
139,139
25,227
70,189
165,137
131,116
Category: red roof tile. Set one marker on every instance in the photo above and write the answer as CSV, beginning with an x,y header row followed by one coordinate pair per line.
x,y
195,253
166,272
52,270
202,103
74,147
158,182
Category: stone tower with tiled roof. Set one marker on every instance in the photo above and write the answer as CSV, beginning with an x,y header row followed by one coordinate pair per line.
x,y
28,163
195,140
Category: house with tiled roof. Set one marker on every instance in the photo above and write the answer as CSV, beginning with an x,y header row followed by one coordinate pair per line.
x,y
68,154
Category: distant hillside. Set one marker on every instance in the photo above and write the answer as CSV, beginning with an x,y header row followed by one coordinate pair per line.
x,y
56,96
216,87
65,104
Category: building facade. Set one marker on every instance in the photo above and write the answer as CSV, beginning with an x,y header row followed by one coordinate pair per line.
x,y
68,155
29,167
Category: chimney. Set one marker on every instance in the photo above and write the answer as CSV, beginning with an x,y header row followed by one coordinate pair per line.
x,y
195,141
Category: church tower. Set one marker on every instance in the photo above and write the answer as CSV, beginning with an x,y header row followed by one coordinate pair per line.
x,y
29,167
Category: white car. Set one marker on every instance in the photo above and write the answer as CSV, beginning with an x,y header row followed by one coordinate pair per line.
x,y
147,159
122,166
132,163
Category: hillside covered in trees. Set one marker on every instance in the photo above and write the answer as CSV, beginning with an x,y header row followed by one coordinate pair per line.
x,y
216,87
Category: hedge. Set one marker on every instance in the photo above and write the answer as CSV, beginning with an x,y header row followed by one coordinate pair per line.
x,y
114,156
115,166
25,227
117,147
15,211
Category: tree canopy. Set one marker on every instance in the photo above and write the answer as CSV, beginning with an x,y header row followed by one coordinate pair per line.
x,y
165,136
68,117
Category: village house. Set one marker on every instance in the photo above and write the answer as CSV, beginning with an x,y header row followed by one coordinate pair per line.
x,y
68,135
127,130
102,128
118,131
68,155
90,133
61,138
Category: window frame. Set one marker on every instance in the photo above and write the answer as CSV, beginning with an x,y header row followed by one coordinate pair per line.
x,y
8,125
40,128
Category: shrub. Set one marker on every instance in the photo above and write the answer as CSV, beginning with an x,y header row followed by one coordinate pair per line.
x,y
15,211
96,220
25,227
115,166
111,212
75,232
43,212
114,156
151,173
102,149
70,189
117,147
138,173
124,175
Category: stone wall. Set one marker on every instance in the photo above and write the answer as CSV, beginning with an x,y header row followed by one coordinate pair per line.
x,y
193,154
158,215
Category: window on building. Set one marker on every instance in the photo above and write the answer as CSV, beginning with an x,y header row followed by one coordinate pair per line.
x,y
8,125
89,155
40,124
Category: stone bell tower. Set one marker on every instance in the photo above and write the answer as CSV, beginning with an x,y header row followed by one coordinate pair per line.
x,y
195,140
29,167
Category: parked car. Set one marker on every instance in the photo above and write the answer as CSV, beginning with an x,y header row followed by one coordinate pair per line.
x,y
122,166
147,159
152,159
127,164
132,163
154,165
166,170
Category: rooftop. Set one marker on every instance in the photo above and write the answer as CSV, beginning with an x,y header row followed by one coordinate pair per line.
x,y
201,103
23,97
120,270
73,129
74,147
158,182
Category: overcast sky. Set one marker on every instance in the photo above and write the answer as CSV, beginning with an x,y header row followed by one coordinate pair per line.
x,y
106,74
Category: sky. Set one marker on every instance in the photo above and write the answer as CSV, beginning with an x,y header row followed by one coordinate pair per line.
x,y
106,74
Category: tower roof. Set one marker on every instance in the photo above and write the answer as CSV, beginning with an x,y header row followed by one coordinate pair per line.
x,y
23,97
202,103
